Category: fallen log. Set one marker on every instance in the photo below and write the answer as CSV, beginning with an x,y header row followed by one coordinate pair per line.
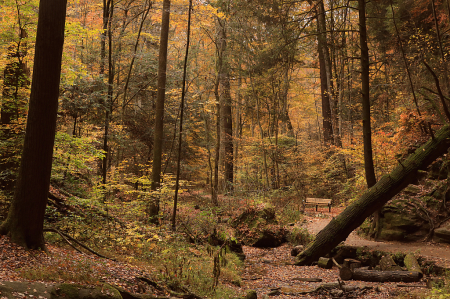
x,y
373,199
307,279
386,276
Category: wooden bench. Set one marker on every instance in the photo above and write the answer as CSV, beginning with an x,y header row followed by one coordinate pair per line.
x,y
318,202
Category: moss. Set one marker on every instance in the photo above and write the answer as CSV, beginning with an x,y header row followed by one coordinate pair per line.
x,y
75,291
66,290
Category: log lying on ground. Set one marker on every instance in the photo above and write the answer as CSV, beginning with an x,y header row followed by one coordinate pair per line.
x,y
379,276
373,199
385,276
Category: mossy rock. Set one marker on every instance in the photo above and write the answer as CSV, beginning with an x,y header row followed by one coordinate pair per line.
x,y
253,216
13,290
392,234
74,291
259,228
442,234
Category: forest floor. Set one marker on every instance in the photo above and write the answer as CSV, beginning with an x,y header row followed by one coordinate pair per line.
x,y
266,270
271,269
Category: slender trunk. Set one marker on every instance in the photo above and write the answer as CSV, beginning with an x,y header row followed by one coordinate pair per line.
x,y
180,138
109,97
159,114
326,63
324,90
365,89
227,125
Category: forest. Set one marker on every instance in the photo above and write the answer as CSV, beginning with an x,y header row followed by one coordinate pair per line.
x,y
162,142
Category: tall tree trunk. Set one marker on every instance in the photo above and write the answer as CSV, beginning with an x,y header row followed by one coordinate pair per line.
x,y
324,88
373,199
159,115
226,103
109,97
367,128
227,125
25,220
180,137
106,10
365,91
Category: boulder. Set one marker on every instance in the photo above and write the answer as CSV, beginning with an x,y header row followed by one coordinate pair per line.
x,y
442,234
399,226
258,227
15,290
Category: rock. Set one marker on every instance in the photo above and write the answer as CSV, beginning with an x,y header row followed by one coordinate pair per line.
x,y
251,294
259,228
73,291
442,234
399,226
380,289
296,250
57,291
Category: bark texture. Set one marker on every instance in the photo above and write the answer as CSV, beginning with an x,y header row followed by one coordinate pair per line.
x,y
373,199
25,220
385,276
159,114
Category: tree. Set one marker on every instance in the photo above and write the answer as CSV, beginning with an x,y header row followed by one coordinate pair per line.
x,y
159,117
373,199
324,87
25,220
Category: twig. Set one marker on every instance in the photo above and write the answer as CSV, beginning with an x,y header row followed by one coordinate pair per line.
x,y
77,242
336,263
65,239
438,87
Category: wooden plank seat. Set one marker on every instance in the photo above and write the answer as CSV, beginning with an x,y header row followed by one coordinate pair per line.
x,y
318,202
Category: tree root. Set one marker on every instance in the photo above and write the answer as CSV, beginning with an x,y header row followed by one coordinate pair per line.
x,y
66,237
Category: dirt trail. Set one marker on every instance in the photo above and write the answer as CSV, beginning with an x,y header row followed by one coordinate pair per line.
x,y
434,251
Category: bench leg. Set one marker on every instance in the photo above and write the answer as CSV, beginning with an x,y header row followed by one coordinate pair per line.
x,y
317,207
329,208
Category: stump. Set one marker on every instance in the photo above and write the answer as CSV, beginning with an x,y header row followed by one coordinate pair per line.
x,y
325,263
352,264
345,273
388,264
